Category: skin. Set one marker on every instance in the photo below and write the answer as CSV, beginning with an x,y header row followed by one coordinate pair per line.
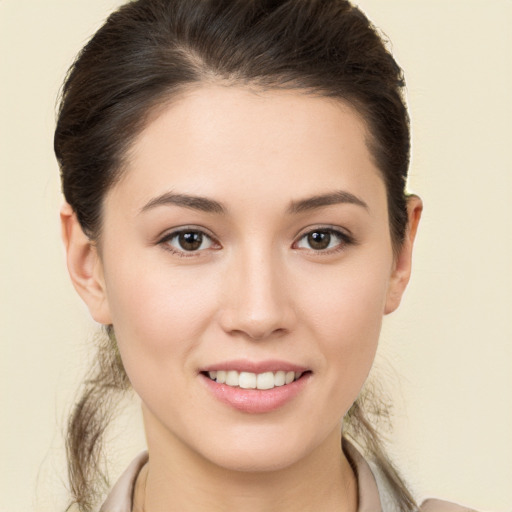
x,y
255,290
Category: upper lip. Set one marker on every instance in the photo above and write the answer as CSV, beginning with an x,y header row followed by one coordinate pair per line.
x,y
243,365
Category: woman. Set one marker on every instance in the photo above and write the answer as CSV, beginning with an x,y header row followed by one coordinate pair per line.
x,y
236,216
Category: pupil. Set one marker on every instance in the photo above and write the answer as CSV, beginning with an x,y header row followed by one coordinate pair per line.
x,y
190,241
319,239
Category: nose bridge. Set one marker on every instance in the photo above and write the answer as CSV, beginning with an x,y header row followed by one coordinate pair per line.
x,y
258,303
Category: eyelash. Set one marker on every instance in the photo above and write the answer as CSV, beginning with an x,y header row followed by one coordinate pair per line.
x,y
182,253
344,241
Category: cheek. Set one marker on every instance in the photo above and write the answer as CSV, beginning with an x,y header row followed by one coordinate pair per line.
x,y
347,317
158,316
349,302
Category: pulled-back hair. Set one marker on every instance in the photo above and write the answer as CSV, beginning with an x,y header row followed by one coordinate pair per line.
x,y
149,52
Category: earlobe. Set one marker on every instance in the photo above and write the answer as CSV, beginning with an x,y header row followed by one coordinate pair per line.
x,y
84,266
403,260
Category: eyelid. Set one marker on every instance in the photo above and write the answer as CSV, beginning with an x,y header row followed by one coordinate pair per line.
x,y
171,233
345,233
346,238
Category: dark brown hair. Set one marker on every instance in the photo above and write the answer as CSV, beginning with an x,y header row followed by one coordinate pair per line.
x,y
148,52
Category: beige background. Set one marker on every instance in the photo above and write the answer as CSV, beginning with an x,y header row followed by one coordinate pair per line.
x,y
447,352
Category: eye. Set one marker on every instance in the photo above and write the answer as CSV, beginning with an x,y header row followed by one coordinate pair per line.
x,y
187,240
323,239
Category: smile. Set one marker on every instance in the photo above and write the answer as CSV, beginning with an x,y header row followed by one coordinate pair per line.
x,y
255,387
249,380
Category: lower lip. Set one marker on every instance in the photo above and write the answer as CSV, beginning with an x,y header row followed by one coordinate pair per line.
x,y
256,401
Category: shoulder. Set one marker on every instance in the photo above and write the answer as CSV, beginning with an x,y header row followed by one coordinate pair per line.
x,y
434,505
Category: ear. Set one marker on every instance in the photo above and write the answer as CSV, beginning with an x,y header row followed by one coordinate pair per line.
x,y
84,266
403,260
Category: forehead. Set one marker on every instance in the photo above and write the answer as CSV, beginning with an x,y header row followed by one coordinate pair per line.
x,y
214,139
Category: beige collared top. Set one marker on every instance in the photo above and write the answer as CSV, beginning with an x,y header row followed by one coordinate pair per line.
x,y
372,493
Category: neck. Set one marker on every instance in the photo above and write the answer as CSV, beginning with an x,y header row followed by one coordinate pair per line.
x,y
179,479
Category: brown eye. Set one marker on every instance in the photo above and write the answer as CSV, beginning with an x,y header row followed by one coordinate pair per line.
x,y
323,240
190,240
319,240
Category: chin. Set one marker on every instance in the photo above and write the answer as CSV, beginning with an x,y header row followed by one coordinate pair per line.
x,y
260,452
256,461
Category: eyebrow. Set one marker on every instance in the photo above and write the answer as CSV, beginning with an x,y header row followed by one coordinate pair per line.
x,y
319,201
193,202
205,204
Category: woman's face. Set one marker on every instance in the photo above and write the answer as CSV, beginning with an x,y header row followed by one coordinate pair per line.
x,y
248,235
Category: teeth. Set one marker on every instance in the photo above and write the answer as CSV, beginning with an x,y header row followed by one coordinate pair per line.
x,y
248,380
279,378
265,380
232,378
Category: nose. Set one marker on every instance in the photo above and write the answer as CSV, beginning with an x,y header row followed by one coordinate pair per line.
x,y
257,301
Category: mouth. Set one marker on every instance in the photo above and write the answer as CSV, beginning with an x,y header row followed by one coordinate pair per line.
x,y
255,387
250,380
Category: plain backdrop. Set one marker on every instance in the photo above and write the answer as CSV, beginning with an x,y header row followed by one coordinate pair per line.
x,y
446,355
